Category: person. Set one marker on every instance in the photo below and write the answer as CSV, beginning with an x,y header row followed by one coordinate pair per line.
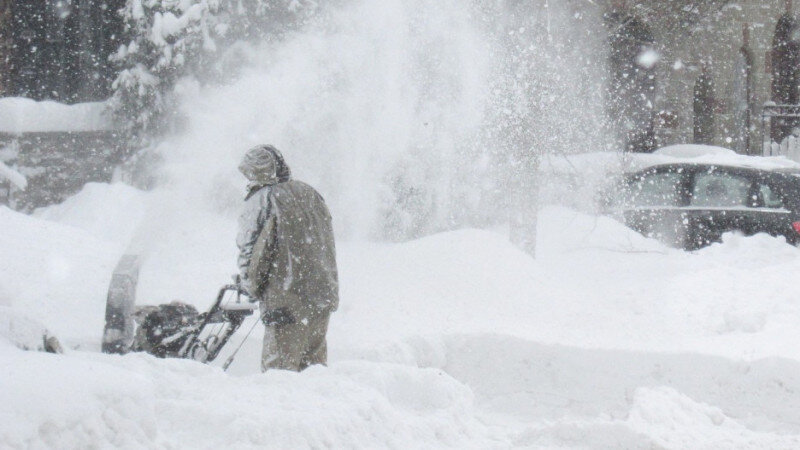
x,y
287,261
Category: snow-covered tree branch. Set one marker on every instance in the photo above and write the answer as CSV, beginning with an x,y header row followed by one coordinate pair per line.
x,y
170,39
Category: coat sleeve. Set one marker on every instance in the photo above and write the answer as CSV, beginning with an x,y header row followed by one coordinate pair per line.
x,y
251,222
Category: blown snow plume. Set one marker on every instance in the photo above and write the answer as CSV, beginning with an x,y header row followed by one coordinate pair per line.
x,y
409,116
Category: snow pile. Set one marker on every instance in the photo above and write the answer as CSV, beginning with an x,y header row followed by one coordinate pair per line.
x,y
22,115
570,397
110,212
55,274
750,293
24,332
137,401
457,339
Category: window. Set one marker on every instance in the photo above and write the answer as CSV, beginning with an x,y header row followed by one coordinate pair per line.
x,y
766,197
720,190
656,189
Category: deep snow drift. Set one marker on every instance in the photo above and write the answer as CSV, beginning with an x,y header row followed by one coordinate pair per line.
x,y
608,339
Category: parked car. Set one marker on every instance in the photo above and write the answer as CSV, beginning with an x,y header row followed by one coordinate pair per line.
x,y
691,204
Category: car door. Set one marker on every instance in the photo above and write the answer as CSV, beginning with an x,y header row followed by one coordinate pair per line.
x,y
718,203
653,203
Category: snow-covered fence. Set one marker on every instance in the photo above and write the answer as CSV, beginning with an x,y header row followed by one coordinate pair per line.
x,y
789,147
783,117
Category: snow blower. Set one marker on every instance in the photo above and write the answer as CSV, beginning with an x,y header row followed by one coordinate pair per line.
x,y
174,330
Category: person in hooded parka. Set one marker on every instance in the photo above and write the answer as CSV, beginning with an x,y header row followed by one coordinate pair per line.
x,y
287,261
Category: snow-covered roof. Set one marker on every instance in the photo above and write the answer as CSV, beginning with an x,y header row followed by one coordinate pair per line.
x,y
23,115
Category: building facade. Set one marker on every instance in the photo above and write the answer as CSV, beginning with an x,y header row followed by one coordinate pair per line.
x,y
714,66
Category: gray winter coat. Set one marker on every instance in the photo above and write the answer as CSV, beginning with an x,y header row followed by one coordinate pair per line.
x,y
287,253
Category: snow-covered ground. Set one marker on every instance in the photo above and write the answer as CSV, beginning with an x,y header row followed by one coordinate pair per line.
x,y
606,340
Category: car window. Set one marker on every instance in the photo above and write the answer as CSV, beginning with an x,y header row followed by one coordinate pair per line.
x,y
655,189
766,197
720,189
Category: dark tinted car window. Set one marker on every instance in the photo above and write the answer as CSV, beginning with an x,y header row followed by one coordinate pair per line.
x,y
656,189
720,189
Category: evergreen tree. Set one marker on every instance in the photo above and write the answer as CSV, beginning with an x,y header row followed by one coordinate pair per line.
x,y
170,39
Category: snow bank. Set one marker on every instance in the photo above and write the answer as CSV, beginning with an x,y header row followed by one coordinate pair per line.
x,y
84,400
24,332
454,340
22,115
112,212
566,396
56,274
675,420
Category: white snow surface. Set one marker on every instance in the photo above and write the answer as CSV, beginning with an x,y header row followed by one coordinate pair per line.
x,y
23,115
606,340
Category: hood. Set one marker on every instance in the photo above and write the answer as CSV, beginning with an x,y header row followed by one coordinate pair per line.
x,y
264,165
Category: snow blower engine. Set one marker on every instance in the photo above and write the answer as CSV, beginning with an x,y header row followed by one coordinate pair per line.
x,y
173,330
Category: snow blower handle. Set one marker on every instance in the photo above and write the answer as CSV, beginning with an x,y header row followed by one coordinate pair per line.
x,y
242,288
220,322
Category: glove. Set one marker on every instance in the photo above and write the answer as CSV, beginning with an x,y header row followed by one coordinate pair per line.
x,y
277,317
243,284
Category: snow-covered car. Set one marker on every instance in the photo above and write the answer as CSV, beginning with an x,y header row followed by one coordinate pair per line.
x,y
690,202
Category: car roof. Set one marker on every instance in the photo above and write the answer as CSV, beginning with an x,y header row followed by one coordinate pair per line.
x,y
707,165
705,155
